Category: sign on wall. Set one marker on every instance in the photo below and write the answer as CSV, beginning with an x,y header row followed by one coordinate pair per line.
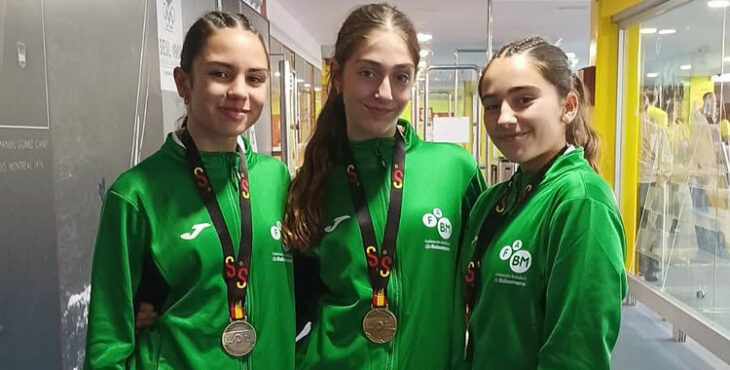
x,y
169,40
451,129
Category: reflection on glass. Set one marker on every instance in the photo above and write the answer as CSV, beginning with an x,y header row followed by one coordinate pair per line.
x,y
683,239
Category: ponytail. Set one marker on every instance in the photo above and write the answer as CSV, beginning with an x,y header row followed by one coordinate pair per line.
x,y
580,132
304,216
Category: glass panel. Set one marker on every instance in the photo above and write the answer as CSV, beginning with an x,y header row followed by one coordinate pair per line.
x,y
317,93
453,109
451,94
305,93
275,49
683,228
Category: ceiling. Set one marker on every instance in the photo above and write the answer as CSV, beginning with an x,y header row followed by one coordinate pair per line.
x,y
461,24
698,42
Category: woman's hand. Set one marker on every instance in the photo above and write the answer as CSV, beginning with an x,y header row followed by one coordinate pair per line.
x,y
145,317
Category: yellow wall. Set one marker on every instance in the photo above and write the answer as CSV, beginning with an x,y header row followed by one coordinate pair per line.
x,y
605,34
612,7
606,79
631,140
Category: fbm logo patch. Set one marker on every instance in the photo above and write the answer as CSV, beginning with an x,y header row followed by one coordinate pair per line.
x,y
439,221
519,260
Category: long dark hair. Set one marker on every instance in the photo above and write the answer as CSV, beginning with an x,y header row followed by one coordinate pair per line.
x,y
304,217
553,65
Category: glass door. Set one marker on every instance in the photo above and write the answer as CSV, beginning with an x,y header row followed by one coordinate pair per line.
x,y
451,109
284,130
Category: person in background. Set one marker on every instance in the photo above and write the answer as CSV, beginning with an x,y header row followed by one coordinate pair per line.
x,y
709,107
657,116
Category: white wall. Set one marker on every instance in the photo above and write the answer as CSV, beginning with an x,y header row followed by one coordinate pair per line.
x,y
286,28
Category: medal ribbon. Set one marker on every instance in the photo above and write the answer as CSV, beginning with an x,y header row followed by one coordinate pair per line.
x,y
492,224
235,270
379,265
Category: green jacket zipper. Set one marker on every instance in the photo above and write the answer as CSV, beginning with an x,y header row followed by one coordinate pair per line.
x,y
245,362
395,295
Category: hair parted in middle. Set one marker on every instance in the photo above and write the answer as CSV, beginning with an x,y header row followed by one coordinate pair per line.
x,y
304,217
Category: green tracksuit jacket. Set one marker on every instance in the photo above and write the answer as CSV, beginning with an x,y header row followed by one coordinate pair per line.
x,y
441,184
552,279
155,224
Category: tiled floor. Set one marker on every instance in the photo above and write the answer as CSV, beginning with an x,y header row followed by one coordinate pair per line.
x,y
645,343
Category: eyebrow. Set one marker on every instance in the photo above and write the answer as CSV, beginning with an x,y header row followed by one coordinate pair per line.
x,y
512,90
230,66
221,64
376,64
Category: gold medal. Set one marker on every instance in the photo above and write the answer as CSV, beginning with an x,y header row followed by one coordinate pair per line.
x,y
379,325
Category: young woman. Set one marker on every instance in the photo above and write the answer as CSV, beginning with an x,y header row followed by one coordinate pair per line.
x,y
195,228
376,213
544,252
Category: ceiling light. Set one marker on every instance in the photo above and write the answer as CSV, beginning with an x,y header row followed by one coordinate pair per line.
x,y
571,7
300,80
423,37
277,74
668,31
424,53
317,89
652,75
726,59
422,64
718,3
306,86
647,31
725,77
685,67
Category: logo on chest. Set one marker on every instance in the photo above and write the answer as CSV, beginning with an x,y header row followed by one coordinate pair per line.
x,y
518,259
197,229
437,220
336,222
276,231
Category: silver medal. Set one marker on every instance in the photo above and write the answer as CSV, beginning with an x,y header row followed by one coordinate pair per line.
x,y
238,338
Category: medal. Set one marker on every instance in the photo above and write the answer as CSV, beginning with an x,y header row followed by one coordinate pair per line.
x,y
379,325
238,338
